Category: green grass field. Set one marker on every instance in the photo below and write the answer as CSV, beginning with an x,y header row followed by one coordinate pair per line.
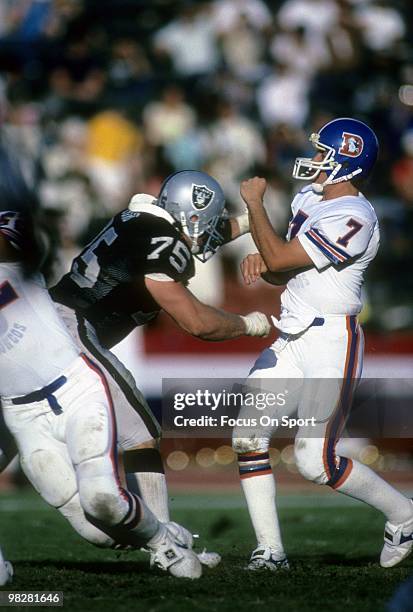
x,y
333,546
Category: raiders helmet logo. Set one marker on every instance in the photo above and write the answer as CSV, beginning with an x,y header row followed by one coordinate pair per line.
x,y
202,196
352,145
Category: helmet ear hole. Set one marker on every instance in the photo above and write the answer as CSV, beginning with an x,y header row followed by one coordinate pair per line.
x,y
194,218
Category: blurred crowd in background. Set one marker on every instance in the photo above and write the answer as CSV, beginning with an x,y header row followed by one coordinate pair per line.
x,y
102,99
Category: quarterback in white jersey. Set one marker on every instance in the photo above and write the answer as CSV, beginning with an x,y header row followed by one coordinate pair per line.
x,y
332,238
336,232
57,405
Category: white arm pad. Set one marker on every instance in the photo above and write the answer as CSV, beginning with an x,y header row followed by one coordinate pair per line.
x,y
256,324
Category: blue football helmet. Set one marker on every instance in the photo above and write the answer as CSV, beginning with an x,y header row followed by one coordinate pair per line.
x,y
197,202
350,150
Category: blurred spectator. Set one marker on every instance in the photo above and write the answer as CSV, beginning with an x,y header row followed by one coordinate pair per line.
x,y
187,151
402,171
114,143
234,145
190,41
243,50
227,14
168,119
344,40
299,51
21,129
317,15
283,97
381,24
128,62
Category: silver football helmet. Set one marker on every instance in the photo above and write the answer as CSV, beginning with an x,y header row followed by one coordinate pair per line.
x,y
197,202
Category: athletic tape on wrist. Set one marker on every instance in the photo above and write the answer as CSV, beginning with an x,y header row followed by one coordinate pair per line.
x,y
243,223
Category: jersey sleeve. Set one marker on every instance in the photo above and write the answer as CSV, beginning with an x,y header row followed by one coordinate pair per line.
x,y
336,239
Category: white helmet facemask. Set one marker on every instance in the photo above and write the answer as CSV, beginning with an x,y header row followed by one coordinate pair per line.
x,y
307,169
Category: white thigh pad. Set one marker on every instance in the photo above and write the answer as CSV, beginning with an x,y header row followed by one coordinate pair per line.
x,y
51,474
90,431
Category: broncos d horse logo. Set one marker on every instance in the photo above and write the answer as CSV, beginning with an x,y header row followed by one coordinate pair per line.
x,y
352,145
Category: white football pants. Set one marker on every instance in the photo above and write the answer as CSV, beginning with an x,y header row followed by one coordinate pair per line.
x,y
320,367
68,450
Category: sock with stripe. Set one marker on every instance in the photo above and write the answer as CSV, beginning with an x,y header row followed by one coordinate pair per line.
x,y
136,528
367,486
258,484
145,477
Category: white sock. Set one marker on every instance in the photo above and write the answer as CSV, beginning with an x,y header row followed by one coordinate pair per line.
x,y
148,525
151,487
259,492
367,486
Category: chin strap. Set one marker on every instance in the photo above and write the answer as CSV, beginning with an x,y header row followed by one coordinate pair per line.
x,y
319,187
195,234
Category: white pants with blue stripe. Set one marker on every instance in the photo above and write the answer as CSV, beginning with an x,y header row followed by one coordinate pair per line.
x,y
68,450
320,367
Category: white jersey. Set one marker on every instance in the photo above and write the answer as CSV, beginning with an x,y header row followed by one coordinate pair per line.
x,y
35,346
341,236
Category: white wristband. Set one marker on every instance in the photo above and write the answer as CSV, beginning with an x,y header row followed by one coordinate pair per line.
x,y
243,223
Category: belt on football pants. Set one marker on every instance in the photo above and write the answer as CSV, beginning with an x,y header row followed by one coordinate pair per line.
x,y
44,394
318,322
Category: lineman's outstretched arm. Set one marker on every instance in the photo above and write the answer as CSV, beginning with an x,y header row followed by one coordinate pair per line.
x,y
201,320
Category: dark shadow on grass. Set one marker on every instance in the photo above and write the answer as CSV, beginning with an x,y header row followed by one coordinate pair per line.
x,y
88,567
341,560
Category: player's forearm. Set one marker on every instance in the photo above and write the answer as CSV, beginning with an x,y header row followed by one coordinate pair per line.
x,y
270,245
214,325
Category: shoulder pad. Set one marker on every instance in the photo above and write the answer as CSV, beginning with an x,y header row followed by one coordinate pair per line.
x,y
152,209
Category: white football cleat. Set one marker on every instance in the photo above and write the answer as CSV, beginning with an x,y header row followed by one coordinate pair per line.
x,y
185,538
170,556
180,534
6,571
265,558
398,543
210,559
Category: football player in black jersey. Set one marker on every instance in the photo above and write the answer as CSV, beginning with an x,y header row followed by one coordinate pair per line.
x,y
137,265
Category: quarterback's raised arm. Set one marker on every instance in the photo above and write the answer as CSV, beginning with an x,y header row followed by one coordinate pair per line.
x,y
278,255
201,320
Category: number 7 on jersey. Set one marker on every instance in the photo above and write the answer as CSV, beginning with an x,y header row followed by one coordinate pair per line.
x,y
355,227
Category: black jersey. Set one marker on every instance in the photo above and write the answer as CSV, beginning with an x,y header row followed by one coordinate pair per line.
x,y
106,283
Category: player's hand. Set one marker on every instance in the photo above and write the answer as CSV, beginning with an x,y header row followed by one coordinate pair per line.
x,y
252,267
252,190
256,324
